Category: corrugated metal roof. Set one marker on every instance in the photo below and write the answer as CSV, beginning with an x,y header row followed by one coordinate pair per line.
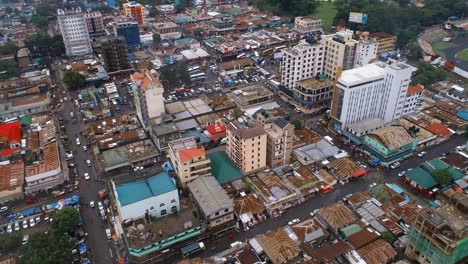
x,y
209,194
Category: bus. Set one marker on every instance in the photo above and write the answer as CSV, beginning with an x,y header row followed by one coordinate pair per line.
x,y
280,48
197,77
192,248
192,69
242,55
267,51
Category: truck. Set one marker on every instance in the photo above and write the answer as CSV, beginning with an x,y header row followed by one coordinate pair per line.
x,y
192,248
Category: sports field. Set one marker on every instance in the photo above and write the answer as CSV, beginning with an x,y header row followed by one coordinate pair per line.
x,y
462,55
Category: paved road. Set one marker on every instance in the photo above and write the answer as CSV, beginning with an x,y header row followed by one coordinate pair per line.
x,y
101,249
303,210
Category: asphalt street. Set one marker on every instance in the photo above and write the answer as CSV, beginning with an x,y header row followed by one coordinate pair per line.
x,y
304,209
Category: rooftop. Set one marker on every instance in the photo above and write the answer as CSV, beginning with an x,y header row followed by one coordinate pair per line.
x,y
316,152
446,215
222,168
278,246
248,204
377,252
392,137
337,215
386,195
381,35
437,164
343,168
50,162
369,72
11,176
327,253
165,129
362,238
407,212
313,83
245,131
252,94
209,194
421,177
133,192
415,89
309,230
438,129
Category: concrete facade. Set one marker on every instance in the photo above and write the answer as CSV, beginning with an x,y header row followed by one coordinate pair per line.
x,y
74,30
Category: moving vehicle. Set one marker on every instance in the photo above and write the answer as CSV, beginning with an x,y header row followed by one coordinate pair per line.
x,y
85,148
422,154
78,142
86,176
372,185
395,165
72,115
3,209
294,221
192,248
108,233
91,204
88,163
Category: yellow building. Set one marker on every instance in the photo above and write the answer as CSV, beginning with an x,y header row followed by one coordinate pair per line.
x,y
386,41
340,52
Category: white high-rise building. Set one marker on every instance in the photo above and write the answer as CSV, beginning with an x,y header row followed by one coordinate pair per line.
x,y
373,92
301,62
74,31
366,51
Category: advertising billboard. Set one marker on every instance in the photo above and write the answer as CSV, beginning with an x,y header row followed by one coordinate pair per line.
x,y
358,18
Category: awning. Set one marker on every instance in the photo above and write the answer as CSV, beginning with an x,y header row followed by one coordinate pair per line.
x,y
359,173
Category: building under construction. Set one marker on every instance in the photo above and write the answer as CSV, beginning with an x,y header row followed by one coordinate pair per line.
x,y
439,235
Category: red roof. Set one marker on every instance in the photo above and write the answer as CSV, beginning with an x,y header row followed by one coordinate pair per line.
x,y
216,128
415,89
7,152
190,153
438,129
359,173
11,132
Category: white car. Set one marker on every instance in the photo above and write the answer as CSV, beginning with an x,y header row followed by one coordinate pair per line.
x,y
395,165
17,226
401,173
91,204
65,99
9,228
85,148
108,233
100,206
78,142
38,219
32,223
25,224
422,154
372,185
312,214
88,163
3,209
86,176
292,222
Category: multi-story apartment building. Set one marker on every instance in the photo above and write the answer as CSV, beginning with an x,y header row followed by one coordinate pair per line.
x,y
115,54
340,53
74,31
301,62
376,90
439,235
246,146
148,91
314,93
128,28
251,96
135,10
167,30
413,99
308,25
95,24
189,159
386,41
366,51
280,138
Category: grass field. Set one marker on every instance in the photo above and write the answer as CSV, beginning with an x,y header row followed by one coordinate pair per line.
x,y
326,11
462,55
439,46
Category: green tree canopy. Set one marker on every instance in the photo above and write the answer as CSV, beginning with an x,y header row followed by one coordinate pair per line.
x,y
47,248
156,38
40,21
73,79
198,32
389,237
9,242
442,176
288,7
8,69
427,74
9,47
296,123
65,220
43,45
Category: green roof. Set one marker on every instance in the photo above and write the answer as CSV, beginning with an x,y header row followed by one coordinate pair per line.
x,y
114,157
351,229
437,164
235,11
421,177
222,168
133,192
26,120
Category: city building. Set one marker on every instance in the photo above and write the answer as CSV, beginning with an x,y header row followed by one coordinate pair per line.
x,y
95,24
457,93
114,51
24,57
308,25
386,41
162,134
246,146
300,62
340,53
438,235
251,96
136,11
128,28
167,30
148,92
215,205
374,91
189,159
11,180
74,31
366,51
314,94
280,138
157,196
413,99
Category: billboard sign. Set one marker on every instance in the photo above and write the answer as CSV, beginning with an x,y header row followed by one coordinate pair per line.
x,y
358,18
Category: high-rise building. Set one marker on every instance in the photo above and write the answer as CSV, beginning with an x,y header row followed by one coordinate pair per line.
x,y
366,51
308,25
74,31
95,24
135,10
340,52
386,41
439,235
374,91
115,54
246,146
128,28
280,138
189,159
148,94
300,62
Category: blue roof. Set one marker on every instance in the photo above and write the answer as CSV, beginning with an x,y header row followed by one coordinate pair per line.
x,y
463,114
133,192
203,138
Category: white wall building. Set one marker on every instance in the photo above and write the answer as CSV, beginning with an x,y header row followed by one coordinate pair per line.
x,y
158,195
366,51
413,99
374,91
148,91
301,62
74,31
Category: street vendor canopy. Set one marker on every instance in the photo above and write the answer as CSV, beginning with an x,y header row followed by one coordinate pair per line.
x,y
359,173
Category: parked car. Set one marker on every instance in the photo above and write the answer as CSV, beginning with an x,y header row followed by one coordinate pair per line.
x,y
401,173
372,185
395,165
38,220
88,163
9,228
422,154
32,223
17,226
85,148
91,204
294,221
108,233
3,209
78,142
25,224
25,239
100,206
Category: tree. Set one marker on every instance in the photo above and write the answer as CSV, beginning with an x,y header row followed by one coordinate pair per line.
x,y
426,74
198,32
153,12
9,47
50,248
65,220
9,242
40,21
296,123
413,50
9,68
248,185
236,113
156,38
73,79
442,176
389,237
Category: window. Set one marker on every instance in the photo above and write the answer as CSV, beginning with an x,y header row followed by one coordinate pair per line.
x,y
226,210
173,201
163,212
217,213
174,209
152,208
161,205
